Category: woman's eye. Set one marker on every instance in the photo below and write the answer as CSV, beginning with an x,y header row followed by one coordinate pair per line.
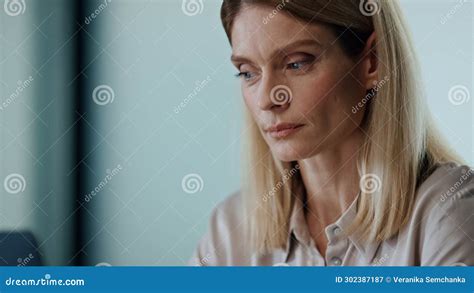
x,y
244,75
297,65
303,62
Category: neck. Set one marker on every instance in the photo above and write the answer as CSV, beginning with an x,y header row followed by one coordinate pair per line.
x,y
331,179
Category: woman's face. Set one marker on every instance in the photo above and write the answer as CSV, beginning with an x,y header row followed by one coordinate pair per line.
x,y
298,84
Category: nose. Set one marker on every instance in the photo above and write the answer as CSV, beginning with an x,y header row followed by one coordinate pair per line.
x,y
274,96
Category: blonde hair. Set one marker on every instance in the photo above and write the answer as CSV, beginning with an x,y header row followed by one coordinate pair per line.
x,y
401,156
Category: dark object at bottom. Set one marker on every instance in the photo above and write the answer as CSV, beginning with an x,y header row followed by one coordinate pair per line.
x,y
19,249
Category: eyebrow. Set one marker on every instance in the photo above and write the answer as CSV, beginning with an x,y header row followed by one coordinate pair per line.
x,y
289,47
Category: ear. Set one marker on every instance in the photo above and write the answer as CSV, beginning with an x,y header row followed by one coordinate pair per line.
x,y
370,63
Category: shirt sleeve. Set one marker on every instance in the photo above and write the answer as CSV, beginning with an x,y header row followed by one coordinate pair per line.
x,y
205,254
449,232
200,257
222,245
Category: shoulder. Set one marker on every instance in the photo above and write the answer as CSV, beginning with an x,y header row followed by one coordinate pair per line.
x,y
448,184
223,242
443,213
227,221
229,211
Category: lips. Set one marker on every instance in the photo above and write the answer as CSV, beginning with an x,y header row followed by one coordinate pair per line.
x,y
282,130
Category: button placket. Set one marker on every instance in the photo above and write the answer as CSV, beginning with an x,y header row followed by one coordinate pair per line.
x,y
337,247
336,261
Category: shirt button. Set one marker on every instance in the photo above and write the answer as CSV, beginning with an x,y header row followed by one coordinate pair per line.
x,y
336,230
336,261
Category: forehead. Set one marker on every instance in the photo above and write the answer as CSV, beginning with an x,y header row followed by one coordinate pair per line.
x,y
261,28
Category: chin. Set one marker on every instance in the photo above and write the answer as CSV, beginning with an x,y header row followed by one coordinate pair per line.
x,y
288,153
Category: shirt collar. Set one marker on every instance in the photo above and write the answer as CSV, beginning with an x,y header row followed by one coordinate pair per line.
x,y
299,231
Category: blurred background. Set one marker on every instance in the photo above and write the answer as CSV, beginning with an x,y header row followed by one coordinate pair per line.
x,y
120,121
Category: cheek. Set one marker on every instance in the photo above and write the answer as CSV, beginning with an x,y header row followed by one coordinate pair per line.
x,y
349,94
314,94
251,105
331,93
249,101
